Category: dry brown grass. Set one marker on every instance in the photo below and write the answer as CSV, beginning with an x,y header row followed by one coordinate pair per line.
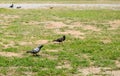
x,y
11,54
114,24
64,64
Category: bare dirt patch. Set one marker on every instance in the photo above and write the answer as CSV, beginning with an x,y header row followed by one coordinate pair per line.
x,y
5,22
90,70
73,33
24,43
9,16
90,27
117,63
113,73
114,24
41,42
29,73
52,50
72,25
77,24
85,27
106,40
98,71
65,64
10,54
52,24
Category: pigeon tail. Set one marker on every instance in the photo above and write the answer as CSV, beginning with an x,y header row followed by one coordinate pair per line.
x,y
54,40
28,52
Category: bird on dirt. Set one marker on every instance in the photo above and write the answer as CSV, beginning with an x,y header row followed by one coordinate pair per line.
x,y
60,39
35,50
11,6
51,7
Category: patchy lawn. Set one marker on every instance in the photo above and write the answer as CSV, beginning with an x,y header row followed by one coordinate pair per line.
x,y
92,45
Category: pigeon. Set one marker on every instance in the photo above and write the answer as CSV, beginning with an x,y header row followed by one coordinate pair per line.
x,y
11,6
18,7
60,39
51,7
35,50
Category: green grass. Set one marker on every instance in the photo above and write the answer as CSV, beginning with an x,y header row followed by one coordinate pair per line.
x,y
78,53
60,1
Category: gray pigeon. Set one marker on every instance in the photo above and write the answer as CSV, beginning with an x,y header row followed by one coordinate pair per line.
x,y
35,50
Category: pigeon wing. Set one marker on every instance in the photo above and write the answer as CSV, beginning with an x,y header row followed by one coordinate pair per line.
x,y
36,50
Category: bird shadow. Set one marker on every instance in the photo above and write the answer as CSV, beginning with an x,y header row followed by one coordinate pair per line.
x,y
35,55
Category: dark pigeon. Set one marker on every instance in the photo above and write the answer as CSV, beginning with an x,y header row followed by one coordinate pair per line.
x,y
35,50
60,39
11,6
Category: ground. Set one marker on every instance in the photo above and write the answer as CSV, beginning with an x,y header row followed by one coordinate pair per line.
x,y
62,1
91,48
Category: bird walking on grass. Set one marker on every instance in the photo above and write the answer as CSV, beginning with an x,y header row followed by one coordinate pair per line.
x,y
60,39
35,50
11,6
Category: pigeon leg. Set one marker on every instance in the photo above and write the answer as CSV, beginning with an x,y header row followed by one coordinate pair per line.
x,y
33,54
36,55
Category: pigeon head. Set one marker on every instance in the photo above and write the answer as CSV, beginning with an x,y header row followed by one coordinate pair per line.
x,y
40,46
64,36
